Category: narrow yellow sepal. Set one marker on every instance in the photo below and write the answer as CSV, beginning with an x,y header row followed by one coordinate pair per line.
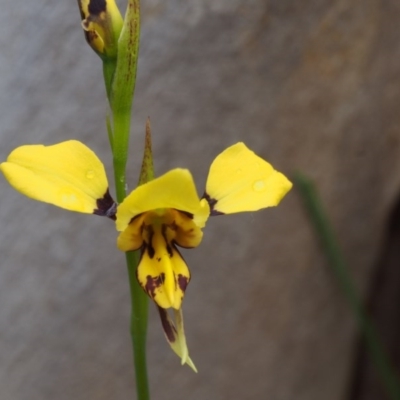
x,y
175,189
68,175
240,181
176,336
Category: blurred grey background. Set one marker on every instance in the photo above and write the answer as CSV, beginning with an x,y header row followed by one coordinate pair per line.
x,y
311,86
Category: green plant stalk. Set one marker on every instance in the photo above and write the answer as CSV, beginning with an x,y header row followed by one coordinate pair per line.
x,y
122,90
138,326
331,248
120,82
109,66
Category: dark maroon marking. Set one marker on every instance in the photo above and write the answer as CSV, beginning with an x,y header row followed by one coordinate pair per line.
x,y
106,206
188,214
135,217
97,6
182,282
167,244
212,202
152,283
169,249
169,329
158,259
149,248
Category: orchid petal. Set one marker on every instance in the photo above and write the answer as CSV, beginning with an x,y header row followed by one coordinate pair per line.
x,y
240,181
175,189
68,175
131,238
162,272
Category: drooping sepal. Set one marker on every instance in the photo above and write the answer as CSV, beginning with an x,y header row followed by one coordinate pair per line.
x,y
68,175
239,181
176,335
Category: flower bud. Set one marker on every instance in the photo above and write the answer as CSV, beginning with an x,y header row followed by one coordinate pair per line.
x,y
102,23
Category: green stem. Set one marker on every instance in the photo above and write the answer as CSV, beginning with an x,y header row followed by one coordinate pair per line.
x,y
331,248
139,301
120,82
121,129
139,312
109,66
123,87
139,309
138,327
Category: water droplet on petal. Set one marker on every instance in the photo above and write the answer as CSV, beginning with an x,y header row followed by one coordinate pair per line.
x,y
259,186
68,198
90,174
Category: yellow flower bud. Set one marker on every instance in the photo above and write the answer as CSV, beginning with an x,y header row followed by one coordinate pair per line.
x,y
102,23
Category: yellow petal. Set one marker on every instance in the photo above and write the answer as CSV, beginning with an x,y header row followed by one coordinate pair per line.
x,y
240,181
162,272
176,336
183,230
68,175
175,189
131,238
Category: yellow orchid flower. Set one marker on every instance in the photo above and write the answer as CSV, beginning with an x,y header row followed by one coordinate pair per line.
x,y
156,217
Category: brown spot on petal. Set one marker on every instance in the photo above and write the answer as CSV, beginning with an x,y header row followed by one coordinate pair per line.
x,y
212,202
106,206
167,244
152,283
149,247
182,282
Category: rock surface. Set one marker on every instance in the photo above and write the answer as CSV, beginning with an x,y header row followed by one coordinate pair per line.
x,y
311,86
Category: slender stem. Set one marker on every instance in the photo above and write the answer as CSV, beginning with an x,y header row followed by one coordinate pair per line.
x,y
123,87
109,66
139,313
121,128
120,85
331,248
138,327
